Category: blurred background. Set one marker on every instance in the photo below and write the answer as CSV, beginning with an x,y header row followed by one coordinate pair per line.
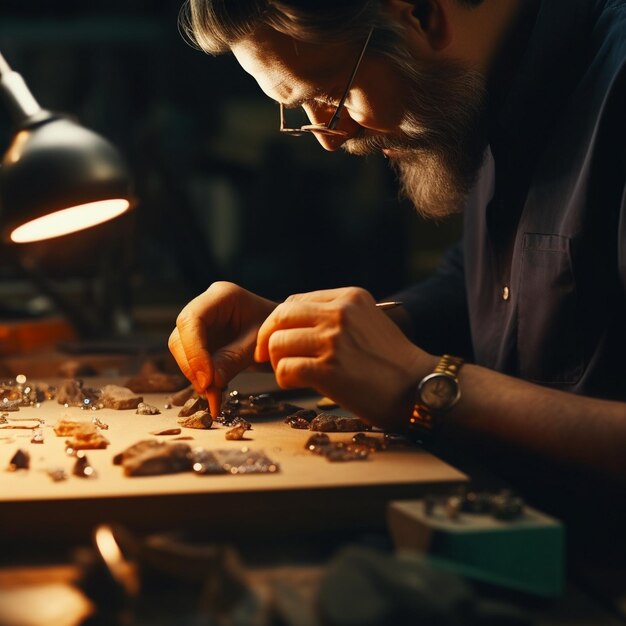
x,y
221,195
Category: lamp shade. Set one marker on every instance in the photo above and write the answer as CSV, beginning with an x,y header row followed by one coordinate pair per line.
x,y
56,177
63,176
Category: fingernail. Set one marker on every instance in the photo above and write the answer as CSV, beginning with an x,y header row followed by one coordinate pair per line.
x,y
202,380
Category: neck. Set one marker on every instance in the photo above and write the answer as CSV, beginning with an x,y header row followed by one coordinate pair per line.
x,y
483,34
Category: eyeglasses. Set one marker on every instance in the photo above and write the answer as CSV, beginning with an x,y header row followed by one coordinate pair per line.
x,y
329,128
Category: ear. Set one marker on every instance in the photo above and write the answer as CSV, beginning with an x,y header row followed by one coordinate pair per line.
x,y
426,21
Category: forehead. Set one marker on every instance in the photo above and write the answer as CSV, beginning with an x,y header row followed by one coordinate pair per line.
x,y
281,64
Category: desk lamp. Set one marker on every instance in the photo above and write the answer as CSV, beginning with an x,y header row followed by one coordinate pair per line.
x,y
56,177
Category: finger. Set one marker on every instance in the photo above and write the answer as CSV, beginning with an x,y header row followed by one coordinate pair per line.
x,y
294,372
305,342
289,314
175,346
340,295
192,340
214,398
232,358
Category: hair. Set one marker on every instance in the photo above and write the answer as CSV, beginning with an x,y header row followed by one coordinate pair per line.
x,y
215,25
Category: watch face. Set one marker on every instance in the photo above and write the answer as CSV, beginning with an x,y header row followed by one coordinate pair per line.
x,y
439,391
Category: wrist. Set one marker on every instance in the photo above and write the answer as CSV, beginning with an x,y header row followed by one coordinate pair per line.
x,y
436,393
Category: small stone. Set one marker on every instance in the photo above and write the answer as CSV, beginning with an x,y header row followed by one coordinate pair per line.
x,y
179,399
37,436
317,442
67,427
301,419
237,433
57,474
96,421
193,405
166,431
328,422
87,437
200,419
136,449
341,452
119,398
73,393
20,460
147,409
82,468
263,403
326,403
154,460
369,441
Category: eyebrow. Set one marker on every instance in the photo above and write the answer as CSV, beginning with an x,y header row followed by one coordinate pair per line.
x,y
317,94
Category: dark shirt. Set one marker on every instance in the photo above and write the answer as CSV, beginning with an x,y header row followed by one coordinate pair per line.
x,y
537,288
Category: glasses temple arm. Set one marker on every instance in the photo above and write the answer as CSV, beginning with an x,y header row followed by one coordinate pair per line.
x,y
335,118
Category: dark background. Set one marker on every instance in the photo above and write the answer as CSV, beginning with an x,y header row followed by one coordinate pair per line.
x,y
221,195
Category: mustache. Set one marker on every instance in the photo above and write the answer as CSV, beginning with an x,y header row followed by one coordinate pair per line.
x,y
367,142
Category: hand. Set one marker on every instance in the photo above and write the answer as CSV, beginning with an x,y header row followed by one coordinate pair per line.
x,y
337,342
215,336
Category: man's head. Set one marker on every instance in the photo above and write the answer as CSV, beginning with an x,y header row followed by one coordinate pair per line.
x,y
418,96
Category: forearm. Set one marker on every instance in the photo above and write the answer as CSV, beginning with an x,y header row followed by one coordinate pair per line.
x,y
561,428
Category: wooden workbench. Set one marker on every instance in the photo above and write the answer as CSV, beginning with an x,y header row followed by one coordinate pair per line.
x,y
308,493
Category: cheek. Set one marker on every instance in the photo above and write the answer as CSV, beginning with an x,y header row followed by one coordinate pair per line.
x,y
374,111
377,100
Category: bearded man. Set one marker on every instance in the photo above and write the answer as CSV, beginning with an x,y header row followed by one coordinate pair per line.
x,y
511,111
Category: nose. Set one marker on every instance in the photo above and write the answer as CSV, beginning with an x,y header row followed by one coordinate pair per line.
x,y
322,115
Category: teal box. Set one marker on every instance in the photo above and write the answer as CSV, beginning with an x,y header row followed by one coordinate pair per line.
x,y
526,554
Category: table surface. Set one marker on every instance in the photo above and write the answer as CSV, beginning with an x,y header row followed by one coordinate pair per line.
x,y
309,495
307,485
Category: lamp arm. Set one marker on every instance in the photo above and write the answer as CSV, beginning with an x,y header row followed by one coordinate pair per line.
x,y
18,97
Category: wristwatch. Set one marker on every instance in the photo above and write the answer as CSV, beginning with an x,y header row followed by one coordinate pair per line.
x,y
437,392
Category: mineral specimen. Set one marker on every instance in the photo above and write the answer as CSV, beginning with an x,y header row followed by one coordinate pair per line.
x,y
369,441
200,419
20,460
37,436
317,442
151,458
137,448
66,427
119,398
326,403
73,393
147,409
301,419
166,431
85,436
82,468
327,422
320,443
179,398
261,405
242,461
193,405
57,474
87,441
236,433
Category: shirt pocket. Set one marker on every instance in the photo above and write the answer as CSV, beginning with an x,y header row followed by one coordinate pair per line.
x,y
550,338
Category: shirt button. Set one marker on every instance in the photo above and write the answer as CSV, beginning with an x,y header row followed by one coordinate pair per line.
x,y
506,294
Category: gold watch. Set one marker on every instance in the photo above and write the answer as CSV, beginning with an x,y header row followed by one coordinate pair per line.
x,y
437,392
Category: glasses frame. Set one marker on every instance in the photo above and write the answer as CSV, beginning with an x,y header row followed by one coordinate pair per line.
x,y
330,128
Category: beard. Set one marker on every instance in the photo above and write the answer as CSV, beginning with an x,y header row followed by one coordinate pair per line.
x,y
442,140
